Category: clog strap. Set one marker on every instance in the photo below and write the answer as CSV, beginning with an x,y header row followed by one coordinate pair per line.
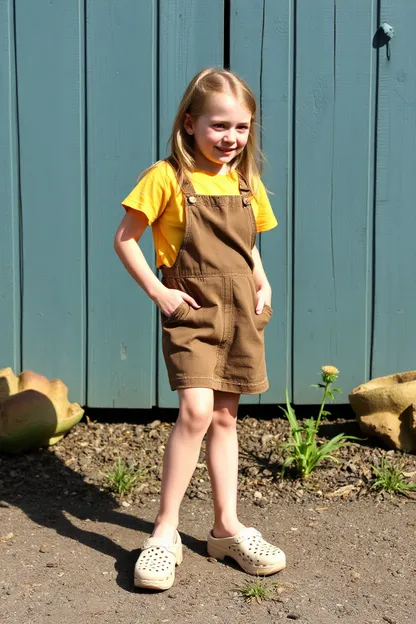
x,y
160,542
245,534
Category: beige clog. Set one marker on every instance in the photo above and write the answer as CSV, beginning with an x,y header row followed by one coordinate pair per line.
x,y
249,550
155,567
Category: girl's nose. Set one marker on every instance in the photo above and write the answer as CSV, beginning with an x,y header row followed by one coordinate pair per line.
x,y
230,136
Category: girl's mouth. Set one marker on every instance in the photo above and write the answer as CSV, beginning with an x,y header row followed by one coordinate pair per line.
x,y
225,151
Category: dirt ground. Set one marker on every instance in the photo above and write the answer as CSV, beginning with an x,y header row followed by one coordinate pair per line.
x,y
68,545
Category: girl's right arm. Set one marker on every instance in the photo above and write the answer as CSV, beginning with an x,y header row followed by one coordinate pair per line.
x,y
128,234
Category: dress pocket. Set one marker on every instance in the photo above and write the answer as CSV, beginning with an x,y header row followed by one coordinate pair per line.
x,y
263,318
177,315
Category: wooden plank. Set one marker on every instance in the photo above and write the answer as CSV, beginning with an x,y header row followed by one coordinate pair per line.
x,y
190,38
50,55
254,51
9,208
394,341
333,196
121,105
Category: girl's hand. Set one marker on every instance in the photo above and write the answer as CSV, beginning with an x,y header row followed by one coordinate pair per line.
x,y
263,295
172,299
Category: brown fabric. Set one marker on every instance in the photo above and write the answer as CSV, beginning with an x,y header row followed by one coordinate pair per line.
x,y
220,345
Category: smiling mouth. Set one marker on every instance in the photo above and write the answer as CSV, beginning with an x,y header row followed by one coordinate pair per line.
x,y
226,151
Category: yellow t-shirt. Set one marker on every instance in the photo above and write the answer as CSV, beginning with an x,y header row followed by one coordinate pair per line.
x,y
160,198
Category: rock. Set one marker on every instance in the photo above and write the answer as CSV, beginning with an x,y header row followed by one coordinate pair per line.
x,y
33,411
386,407
260,502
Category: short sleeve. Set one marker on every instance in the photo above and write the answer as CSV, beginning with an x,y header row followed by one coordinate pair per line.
x,y
151,194
265,218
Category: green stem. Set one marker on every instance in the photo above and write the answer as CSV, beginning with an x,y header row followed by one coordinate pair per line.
x,y
318,420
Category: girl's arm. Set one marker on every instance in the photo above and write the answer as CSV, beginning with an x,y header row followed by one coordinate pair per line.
x,y
128,234
263,288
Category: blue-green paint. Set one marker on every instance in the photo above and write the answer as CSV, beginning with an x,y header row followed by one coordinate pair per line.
x,y
88,93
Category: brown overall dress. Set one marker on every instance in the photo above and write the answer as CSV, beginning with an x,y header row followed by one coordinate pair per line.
x,y
221,344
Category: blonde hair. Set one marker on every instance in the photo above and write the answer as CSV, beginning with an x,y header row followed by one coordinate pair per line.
x,y
204,84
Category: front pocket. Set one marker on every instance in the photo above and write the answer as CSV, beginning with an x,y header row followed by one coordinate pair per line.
x,y
178,314
263,318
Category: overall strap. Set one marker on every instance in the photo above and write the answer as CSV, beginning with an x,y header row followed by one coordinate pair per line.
x,y
186,187
244,189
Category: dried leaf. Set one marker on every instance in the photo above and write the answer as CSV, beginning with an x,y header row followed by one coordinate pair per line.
x,y
346,489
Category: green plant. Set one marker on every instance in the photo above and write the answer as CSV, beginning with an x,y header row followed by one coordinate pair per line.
x,y
302,449
255,592
391,479
122,478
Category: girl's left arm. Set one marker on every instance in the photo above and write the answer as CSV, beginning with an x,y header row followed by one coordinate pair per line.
x,y
263,288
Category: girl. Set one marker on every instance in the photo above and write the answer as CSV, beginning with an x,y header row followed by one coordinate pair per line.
x,y
205,204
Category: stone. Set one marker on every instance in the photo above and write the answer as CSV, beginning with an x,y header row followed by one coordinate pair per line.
x,y
385,407
33,411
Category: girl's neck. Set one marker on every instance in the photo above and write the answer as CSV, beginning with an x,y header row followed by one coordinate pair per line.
x,y
206,166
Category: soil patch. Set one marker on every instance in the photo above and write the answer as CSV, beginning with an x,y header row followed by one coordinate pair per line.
x,y
68,544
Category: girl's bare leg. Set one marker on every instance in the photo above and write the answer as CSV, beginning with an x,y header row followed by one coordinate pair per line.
x,y
222,461
181,455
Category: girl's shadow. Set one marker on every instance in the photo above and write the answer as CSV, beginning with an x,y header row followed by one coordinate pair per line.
x,y
45,488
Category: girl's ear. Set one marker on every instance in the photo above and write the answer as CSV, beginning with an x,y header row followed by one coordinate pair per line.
x,y
188,124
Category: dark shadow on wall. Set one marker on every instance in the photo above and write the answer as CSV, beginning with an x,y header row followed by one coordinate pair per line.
x,y
265,412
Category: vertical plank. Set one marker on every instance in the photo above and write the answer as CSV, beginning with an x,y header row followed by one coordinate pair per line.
x,y
246,48
333,192
254,51
9,208
49,38
121,100
394,342
190,38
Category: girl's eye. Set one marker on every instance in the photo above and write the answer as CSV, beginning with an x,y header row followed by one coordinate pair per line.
x,y
243,128
218,125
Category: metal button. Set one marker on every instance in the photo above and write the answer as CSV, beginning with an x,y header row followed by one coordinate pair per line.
x,y
192,199
246,201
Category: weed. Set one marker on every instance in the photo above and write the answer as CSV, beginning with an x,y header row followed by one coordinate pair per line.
x,y
122,478
255,592
391,479
302,449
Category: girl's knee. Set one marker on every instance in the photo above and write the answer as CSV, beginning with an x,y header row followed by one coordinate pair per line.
x,y
224,418
196,415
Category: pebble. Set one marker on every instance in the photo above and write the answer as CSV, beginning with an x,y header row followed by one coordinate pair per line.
x,y
260,502
258,495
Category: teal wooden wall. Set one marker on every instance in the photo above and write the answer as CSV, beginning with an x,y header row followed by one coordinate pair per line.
x,y
88,91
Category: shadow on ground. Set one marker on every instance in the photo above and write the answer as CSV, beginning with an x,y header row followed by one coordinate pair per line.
x,y
46,490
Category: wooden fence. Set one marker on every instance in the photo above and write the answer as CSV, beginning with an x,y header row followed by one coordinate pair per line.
x,y
88,91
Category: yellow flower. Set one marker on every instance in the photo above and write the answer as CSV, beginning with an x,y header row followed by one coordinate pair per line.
x,y
329,374
330,370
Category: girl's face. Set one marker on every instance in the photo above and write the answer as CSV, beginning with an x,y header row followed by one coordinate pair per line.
x,y
221,132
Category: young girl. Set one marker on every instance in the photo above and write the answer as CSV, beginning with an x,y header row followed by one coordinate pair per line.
x,y
205,204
